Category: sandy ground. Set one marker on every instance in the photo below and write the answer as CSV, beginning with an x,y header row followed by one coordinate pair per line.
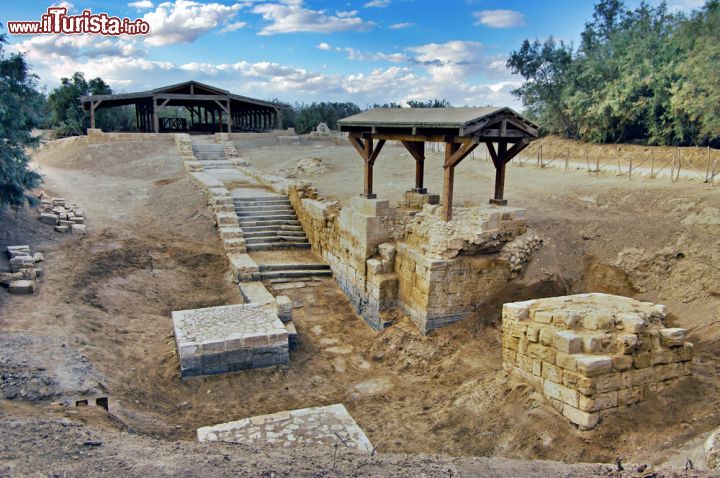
x,y
100,323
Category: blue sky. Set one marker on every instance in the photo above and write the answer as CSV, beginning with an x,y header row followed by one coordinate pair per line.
x,y
364,51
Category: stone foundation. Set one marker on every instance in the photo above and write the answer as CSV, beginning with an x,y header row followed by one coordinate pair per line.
x,y
437,272
590,354
324,427
229,338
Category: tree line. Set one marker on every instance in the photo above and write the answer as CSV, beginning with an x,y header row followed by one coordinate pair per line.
x,y
643,75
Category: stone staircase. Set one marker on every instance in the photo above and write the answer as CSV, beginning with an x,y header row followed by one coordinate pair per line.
x,y
269,222
213,154
277,272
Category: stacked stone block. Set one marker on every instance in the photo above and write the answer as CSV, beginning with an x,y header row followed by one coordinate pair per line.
x,y
24,270
417,200
229,338
590,354
64,216
435,271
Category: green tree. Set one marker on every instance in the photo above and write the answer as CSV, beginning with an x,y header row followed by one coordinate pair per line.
x,y
19,103
307,116
67,116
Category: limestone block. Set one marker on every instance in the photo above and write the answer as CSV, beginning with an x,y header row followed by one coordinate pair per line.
x,y
284,308
568,342
256,293
61,229
673,337
243,266
22,287
584,420
593,365
632,323
369,207
597,402
387,251
79,229
48,218
560,392
292,335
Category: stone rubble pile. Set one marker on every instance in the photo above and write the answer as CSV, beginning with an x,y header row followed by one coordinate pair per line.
x,y
63,215
590,354
24,270
520,252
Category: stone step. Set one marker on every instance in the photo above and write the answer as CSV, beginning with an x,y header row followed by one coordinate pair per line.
x,y
269,200
269,207
293,267
247,222
267,216
261,198
265,233
294,274
261,229
278,245
289,228
273,239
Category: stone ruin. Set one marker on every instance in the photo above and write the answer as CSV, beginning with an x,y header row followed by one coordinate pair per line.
x,y
229,338
322,427
591,354
63,215
437,272
322,129
24,270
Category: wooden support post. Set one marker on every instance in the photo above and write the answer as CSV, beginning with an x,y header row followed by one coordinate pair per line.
x,y
229,117
364,147
448,179
417,150
92,115
279,119
156,120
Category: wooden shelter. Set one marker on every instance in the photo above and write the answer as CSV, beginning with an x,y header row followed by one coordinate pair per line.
x,y
211,109
461,129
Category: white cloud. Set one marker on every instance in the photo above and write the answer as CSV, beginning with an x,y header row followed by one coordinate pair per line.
x,y
141,4
400,26
377,4
499,18
183,21
353,54
46,48
233,26
292,17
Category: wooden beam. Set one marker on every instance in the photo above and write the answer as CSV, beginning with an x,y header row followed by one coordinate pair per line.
x,y
156,120
417,150
222,107
376,150
448,180
359,146
500,175
460,154
164,102
491,150
434,138
229,119
174,96
516,149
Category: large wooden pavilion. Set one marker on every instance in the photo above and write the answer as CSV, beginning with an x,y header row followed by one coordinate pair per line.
x,y
211,109
461,129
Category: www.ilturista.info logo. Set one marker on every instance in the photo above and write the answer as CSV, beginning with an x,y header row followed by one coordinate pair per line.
x,y
56,20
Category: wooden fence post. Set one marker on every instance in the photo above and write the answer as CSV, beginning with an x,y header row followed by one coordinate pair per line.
x,y
707,172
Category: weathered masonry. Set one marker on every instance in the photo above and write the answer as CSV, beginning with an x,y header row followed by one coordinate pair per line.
x,y
211,109
590,354
461,129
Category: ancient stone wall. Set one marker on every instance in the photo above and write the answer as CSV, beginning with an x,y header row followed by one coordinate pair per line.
x,y
100,136
590,354
436,272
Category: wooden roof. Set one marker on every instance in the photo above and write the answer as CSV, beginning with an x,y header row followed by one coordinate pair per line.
x,y
480,123
188,90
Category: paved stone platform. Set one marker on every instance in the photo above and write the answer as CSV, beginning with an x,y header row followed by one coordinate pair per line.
x,y
229,338
318,426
